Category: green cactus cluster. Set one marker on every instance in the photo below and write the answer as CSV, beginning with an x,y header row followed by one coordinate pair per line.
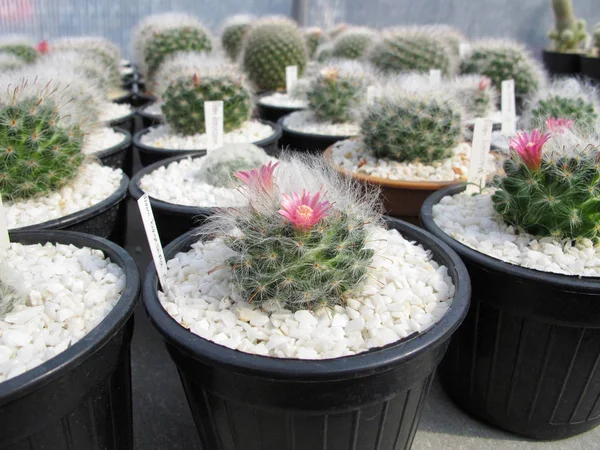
x,y
412,126
271,45
560,198
20,48
314,37
580,110
184,99
569,33
353,43
476,94
234,32
412,50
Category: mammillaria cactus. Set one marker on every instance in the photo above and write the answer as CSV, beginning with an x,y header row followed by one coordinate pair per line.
x,y
184,101
421,125
219,165
476,94
293,247
501,60
234,32
11,293
338,90
551,187
40,142
569,32
353,43
20,47
314,37
271,45
412,49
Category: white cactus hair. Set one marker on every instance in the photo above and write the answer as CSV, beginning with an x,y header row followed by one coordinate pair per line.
x,y
10,62
580,141
465,86
15,39
356,30
238,19
86,43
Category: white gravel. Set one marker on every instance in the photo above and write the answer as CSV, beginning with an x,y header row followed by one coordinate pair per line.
x,y
93,184
177,184
305,122
405,293
353,156
102,139
114,111
280,100
473,222
71,290
154,109
162,137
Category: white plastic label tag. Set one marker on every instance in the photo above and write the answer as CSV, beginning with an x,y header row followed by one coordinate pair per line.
x,y
213,121
153,240
509,109
4,239
435,76
291,78
464,48
482,140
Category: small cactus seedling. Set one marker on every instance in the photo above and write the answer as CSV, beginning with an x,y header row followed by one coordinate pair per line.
x,y
19,47
297,248
476,94
271,45
314,37
233,34
184,102
11,293
552,184
353,43
569,33
219,165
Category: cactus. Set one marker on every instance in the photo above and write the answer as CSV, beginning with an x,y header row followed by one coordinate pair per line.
x,y
476,94
551,187
446,33
596,50
40,149
412,49
184,99
11,293
324,52
353,43
234,33
271,45
423,125
569,33
501,60
314,37
10,62
337,91
293,248
19,47
336,30
219,165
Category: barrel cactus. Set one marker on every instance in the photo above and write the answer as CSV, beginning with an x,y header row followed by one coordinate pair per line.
x,y
271,45
476,94
314,37
233,34
353,43
551,185
569,33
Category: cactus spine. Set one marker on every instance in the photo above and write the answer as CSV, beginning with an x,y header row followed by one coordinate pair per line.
x,y
353,43
569,32
314,37
234,33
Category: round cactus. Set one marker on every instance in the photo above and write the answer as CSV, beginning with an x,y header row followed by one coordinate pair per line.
x,y
551,185
10,62
412,50
184,99
234,33
412,126
447,33
336,30
324,52
219,165
596,50
353,43
271,45
20,47
314,37
476,94
39,151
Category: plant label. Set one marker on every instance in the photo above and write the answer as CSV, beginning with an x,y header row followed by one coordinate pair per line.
x,y
4,239
213,117
291,78
482,140
153,240
509,109
464,49
435,76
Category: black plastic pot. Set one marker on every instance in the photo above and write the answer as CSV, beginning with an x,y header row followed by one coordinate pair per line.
x,y
561,64
149,120
273,113
171,220
150,155
306,142
590,67
526,357
107,219
117,156
368,401
81,398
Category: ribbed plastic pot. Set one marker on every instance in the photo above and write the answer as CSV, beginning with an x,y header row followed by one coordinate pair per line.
x,y
171,220
369,401
590,67
149,120
526,358
306,142
81,398
562,64
126,123
117,156
150,155
273,113
107,219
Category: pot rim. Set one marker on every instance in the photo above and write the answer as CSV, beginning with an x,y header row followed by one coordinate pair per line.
x,y
302,134
83,349
562,281
289,109
115,148
375,360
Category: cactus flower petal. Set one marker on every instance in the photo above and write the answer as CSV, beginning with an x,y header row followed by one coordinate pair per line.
x,y
529,147
261,178
43,47
304,211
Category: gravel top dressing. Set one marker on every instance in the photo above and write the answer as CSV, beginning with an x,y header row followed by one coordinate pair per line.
x,y
305,122
101,140
282,101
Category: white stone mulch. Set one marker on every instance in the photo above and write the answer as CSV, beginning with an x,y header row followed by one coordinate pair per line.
x,y
306,122
102,139
114,111
281,100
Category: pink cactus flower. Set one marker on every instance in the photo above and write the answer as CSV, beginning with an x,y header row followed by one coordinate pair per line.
x,y
260,179
304,211
43,47
484,83
559,125
529,147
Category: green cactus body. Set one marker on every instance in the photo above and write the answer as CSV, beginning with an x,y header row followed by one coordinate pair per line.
x,y
597,40
412,127
353,43
314,37
37,154
271,46
412,51
233,37
184,102
569,33
102,50
24,51
579,110
9,62
175,40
